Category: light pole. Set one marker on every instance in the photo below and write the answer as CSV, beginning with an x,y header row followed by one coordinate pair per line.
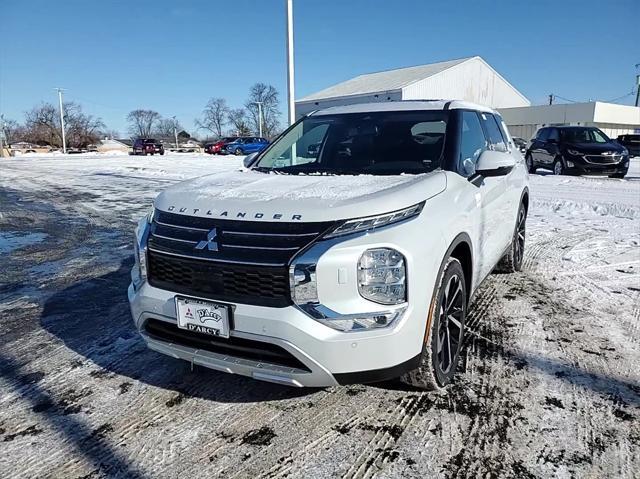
x,y
64,141
290,72
259,103
175,130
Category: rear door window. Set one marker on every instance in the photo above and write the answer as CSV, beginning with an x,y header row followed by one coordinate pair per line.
x,y
496,141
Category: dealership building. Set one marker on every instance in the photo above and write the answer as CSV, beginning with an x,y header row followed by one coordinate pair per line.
x,y
472,79
613,119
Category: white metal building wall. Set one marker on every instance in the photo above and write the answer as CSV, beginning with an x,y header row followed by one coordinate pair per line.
x,y
612,130
473,80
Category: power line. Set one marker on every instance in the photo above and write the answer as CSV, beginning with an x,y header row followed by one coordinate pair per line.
x,y
565,99
632,92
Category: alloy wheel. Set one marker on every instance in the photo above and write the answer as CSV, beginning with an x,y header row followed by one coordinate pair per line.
x,y
557,168
520,236
450,328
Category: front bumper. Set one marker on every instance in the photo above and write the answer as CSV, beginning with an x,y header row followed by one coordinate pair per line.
x,y
329,357
583,166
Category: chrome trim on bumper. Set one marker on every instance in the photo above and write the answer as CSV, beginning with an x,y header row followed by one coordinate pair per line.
x,y
264,371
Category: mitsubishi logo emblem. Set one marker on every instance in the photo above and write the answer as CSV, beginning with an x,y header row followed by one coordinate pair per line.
x,y
211,244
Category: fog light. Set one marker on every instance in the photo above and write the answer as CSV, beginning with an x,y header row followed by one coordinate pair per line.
x,y
382,276
361,322
570,164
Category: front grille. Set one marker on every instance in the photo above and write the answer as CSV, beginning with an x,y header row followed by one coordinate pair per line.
x,y
267,243
234,283
235,347
603,159
227,260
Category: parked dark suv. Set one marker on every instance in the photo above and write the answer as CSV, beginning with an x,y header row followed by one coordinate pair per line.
x,y
576,150
631,143
147,146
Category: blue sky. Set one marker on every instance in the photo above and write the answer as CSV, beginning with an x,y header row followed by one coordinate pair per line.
x,y
170,56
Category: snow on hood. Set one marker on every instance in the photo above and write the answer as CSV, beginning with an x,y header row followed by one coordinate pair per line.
x,y
250,195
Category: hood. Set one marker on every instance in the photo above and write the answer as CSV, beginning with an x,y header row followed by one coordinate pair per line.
x,y
595,148
252,196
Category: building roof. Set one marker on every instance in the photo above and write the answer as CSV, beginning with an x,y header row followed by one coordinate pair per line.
x,y
389,80
403,105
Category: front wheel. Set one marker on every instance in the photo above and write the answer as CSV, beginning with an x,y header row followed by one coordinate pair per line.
x,y
558,167
530,166
445,331
512,261
238,152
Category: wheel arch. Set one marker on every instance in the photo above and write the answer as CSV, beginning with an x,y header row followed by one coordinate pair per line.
x,y
461,249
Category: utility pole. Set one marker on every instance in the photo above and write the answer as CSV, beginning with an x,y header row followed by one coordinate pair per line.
x,y
259,103
3,126
64,141
637,65
175,130
290,72
551,99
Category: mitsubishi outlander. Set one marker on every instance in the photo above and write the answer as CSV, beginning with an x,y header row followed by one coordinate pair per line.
x,y
348,251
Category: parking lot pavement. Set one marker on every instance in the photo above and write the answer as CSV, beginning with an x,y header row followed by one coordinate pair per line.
x,y
550,385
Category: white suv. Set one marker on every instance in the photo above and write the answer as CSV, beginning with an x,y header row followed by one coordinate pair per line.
x,y
347,252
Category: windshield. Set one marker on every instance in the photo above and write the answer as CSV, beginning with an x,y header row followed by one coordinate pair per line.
x,y
583,135
380,143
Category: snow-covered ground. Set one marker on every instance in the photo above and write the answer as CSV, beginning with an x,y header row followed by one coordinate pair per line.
x,y
550,385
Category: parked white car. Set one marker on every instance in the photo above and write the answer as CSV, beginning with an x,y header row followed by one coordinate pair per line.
x,y
348,252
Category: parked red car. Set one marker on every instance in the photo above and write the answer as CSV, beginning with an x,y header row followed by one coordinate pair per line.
x,y
147,146
219,147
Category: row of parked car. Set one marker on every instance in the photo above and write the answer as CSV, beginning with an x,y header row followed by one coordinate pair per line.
x,y
236,145
579,150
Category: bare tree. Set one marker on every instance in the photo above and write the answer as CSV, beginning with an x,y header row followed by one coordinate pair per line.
x,y
42,126
111,134
268,96
142,122
12,131
166,128
238,120
214,116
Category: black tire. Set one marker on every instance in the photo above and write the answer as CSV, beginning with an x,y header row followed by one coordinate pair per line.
x,y
445,331
512,261
238,152
558,167
531,168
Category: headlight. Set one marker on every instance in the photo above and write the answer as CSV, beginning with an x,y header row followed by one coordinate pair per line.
x,y
574,152
139,270
372,222
382,276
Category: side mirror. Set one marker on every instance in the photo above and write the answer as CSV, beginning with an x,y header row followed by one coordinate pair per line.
x,y
492,164
552,140
249,159
312,150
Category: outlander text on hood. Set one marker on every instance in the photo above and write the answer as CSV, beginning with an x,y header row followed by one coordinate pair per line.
x,y
348,251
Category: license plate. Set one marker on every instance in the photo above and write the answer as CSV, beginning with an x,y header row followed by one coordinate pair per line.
x,y
203,316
